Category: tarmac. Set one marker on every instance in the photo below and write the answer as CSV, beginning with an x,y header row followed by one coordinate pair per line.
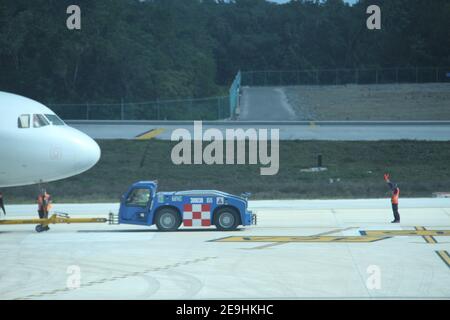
x,y
300,249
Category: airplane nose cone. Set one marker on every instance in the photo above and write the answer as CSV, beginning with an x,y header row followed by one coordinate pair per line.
x,y
87,154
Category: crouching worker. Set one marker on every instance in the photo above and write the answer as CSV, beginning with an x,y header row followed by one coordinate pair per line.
x,y
395,190
44,201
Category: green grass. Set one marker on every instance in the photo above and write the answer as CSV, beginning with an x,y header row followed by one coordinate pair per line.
x,y
420,168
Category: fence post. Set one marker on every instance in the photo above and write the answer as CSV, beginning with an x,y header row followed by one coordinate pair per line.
x,y
218,108
157,109
87,110
122,111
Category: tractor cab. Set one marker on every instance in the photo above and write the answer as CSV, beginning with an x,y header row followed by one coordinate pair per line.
x,y
136,203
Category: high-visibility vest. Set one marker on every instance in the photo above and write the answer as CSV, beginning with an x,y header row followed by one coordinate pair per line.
x,y
47,200
394,198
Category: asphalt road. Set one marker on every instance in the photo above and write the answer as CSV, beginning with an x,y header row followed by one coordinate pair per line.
x,y
352,131
269,104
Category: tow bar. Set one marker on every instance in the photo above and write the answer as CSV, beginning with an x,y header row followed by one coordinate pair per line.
x,y
42,224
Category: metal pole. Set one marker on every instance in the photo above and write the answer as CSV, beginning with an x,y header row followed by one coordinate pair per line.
x,y
157,109
122,115
218,108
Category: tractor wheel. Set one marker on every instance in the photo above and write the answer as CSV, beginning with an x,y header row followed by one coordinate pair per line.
x,y
167,219
226,219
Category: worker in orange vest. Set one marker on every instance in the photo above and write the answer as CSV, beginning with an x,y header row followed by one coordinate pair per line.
x,y
2,205
395,190
44,201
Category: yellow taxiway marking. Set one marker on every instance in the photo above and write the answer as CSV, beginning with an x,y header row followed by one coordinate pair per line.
x,y
333,231
428,239
346,239
150,134
393,233
274,244
444,256
264,246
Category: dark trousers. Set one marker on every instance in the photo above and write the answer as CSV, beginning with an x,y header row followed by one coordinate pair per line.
x,y
42,214
395,211
3,207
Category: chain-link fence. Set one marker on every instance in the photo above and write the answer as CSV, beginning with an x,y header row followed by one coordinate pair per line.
x,y
346,76
224,107
213,108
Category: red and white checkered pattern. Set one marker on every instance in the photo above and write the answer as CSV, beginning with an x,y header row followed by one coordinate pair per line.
x,y
197,215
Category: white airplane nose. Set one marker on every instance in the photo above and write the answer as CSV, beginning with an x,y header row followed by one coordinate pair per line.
x,y
87,153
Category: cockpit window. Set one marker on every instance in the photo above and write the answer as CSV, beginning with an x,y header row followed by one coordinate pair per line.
x,y
24,121
39,121
54,119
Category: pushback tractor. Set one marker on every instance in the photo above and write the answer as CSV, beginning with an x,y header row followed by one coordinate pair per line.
x,y
142,204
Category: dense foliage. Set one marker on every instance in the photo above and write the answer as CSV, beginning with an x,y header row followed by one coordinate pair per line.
x,y
159,49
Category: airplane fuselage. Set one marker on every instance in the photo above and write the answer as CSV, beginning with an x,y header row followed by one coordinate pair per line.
x,y
36,146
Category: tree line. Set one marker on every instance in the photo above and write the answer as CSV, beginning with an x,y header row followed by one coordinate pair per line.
x,y
137,50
